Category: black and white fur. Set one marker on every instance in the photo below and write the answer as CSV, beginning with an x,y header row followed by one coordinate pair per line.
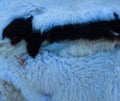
x,y
21,29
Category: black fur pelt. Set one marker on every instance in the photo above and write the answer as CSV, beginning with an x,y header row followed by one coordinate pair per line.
x,y
21,28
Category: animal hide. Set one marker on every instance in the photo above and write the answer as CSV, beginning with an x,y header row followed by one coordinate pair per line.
x,y
55,74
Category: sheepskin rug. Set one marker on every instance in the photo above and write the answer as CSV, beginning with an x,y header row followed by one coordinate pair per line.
x,y
63,71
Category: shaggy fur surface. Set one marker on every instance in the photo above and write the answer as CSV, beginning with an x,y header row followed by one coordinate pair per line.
x,y
50,77
61,22
21,29
47,15
75,48
8,50
90,78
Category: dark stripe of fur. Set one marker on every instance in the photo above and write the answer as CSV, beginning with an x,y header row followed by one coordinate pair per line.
x,y
21,28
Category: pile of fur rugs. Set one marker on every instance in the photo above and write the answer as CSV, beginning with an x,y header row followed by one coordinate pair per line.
x,y
64,70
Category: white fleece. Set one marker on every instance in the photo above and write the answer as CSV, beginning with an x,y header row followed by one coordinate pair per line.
x,y
93,76
48,77
8,50
76,11
52,78
48,14
76,48
80,47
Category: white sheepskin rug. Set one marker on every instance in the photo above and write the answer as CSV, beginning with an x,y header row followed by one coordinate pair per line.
x,y
63,71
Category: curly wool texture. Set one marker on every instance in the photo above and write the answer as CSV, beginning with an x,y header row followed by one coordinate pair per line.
x,y
93,78
49,77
